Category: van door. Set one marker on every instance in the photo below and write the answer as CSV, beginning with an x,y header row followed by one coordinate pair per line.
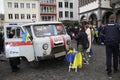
x,y
15,46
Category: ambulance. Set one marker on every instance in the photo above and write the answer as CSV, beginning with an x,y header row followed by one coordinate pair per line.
x,y
46,40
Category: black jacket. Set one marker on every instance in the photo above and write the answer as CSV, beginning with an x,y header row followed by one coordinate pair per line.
x,y
82,39
1,41
111,32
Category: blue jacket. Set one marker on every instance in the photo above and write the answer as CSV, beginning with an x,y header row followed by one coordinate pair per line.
x,y
111,33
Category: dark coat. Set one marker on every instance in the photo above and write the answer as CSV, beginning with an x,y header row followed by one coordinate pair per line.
x,y
111,32
1,41
82,39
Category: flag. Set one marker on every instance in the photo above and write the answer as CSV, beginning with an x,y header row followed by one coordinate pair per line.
x,y
26,36
70,57
77,60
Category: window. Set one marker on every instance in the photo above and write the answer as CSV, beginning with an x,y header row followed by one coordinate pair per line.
x,y
16,5
47,18
66,4
27,5
22,16
60,4
51,1
10,16
33,16
16,16
71,14
14,32
42,18
9,4
34,6
28,16
66,14
51,9
21,5
45,9
71,5
48,30
47,1
60,14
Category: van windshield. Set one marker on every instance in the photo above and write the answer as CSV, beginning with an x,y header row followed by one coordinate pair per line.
x,y
48,30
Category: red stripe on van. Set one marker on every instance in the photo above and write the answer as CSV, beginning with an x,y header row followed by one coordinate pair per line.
x,y
64,40
51,42
19,43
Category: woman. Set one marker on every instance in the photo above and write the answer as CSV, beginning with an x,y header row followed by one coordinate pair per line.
x,y
88,32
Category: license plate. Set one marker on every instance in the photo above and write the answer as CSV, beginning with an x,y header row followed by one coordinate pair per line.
x,y
60,54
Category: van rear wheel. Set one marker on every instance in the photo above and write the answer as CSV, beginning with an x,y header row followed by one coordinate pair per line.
x,y
34,64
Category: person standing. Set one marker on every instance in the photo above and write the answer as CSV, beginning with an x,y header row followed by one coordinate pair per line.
x,y
1,42
82,43
88,32
15,61
111,33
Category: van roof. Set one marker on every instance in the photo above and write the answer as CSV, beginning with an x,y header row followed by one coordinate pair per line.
x,y
42,22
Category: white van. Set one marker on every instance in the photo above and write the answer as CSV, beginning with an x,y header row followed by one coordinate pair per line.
x,y
46,40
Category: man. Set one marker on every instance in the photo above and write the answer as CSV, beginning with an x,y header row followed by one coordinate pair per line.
x,y
14,62
111,32
1,42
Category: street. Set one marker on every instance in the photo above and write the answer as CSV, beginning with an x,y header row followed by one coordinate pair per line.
x,y
58,69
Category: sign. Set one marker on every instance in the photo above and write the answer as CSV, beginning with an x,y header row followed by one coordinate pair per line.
x,y
58,39
14,51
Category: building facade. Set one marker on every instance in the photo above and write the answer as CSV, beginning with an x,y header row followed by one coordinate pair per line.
x,y
48,10
1,21
95,11
116,8
67,11
21,11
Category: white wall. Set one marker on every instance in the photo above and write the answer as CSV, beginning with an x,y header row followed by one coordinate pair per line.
x,y
21,11
74,10
89,6
1,7
105,3
75,4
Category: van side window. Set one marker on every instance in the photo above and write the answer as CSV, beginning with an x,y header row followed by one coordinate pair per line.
x,y
14,32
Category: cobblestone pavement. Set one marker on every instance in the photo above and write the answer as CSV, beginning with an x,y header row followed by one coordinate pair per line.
x,y
58,69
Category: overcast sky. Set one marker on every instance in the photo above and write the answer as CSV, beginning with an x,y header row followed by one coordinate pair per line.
x,y
1,6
